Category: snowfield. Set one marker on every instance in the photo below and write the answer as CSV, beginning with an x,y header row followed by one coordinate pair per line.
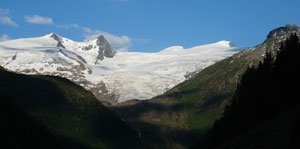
x,y
126,75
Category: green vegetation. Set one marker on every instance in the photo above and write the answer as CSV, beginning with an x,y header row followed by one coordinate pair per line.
x,y
19,130
186,112
201,122
180,117
58,109
265,106
72,115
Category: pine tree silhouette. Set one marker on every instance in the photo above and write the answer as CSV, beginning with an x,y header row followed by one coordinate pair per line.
x,y
262,93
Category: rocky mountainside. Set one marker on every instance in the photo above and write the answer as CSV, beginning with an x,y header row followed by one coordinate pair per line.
x,y
112,76
185,113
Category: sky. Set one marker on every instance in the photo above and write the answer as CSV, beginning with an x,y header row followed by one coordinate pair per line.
x,y
148,25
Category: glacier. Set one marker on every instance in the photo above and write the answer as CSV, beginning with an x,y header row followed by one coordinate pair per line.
x,y
112,76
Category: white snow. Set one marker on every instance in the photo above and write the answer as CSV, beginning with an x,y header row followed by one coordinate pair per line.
x,y
129,75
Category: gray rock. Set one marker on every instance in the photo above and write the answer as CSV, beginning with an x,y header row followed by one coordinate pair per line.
x,y
60,45
87,48
105,49
56,37
232,45
59,40
279,35
283,31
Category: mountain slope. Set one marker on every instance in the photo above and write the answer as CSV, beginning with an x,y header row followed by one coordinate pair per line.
x,y
71,114
112,77
280,131
265,108
19,130
183,114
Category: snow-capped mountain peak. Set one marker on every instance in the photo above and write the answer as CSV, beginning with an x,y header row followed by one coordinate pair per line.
x,y
58,39
105,49
226,43
55,36
112,77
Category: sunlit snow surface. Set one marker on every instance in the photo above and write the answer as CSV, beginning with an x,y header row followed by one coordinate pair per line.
x,y
129,75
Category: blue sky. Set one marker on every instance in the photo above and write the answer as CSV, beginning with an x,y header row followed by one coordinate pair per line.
x,y
149,25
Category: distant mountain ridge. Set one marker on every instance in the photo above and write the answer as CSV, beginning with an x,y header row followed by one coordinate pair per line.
x,y
112,76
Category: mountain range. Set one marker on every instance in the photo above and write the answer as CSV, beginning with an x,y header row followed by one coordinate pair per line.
x,y
202,82
111,75
186,112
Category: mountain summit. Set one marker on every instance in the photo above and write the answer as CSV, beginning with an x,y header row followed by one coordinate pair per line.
x,y
283,31
55,36
105,49
58,39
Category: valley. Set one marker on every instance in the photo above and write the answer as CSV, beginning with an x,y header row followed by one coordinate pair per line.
x,y
168,99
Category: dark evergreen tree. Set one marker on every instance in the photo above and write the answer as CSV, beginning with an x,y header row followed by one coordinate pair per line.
x,y
19,130
263,93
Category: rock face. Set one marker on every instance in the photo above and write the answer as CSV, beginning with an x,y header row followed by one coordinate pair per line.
x,y
58,39
231,45
278,35
105,49
102,45
283,31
